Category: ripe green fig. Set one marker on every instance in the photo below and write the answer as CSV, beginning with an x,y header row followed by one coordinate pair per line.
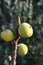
x,y
25,30
7,35
22,49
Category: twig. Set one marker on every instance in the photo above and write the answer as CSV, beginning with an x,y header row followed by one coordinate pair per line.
x,y
15,43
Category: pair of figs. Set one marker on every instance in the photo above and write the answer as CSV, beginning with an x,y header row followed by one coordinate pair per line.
x,y
24,30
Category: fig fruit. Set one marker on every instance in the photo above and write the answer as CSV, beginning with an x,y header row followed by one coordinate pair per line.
x,y
25,30
22,49
7,35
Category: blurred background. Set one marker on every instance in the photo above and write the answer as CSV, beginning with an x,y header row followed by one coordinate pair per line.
x,y
30,11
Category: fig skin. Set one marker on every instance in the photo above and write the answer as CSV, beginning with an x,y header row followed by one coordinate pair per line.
x,y
25,30
7,35
22,49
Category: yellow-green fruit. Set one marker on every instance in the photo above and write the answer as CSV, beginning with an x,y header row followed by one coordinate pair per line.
x,y
25,30
7,35
22,49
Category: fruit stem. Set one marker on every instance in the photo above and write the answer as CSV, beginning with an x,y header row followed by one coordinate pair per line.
x,y
15,50
15,43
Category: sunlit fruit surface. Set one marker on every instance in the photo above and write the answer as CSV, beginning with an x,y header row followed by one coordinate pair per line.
x,y
25,30
7,35
22,49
